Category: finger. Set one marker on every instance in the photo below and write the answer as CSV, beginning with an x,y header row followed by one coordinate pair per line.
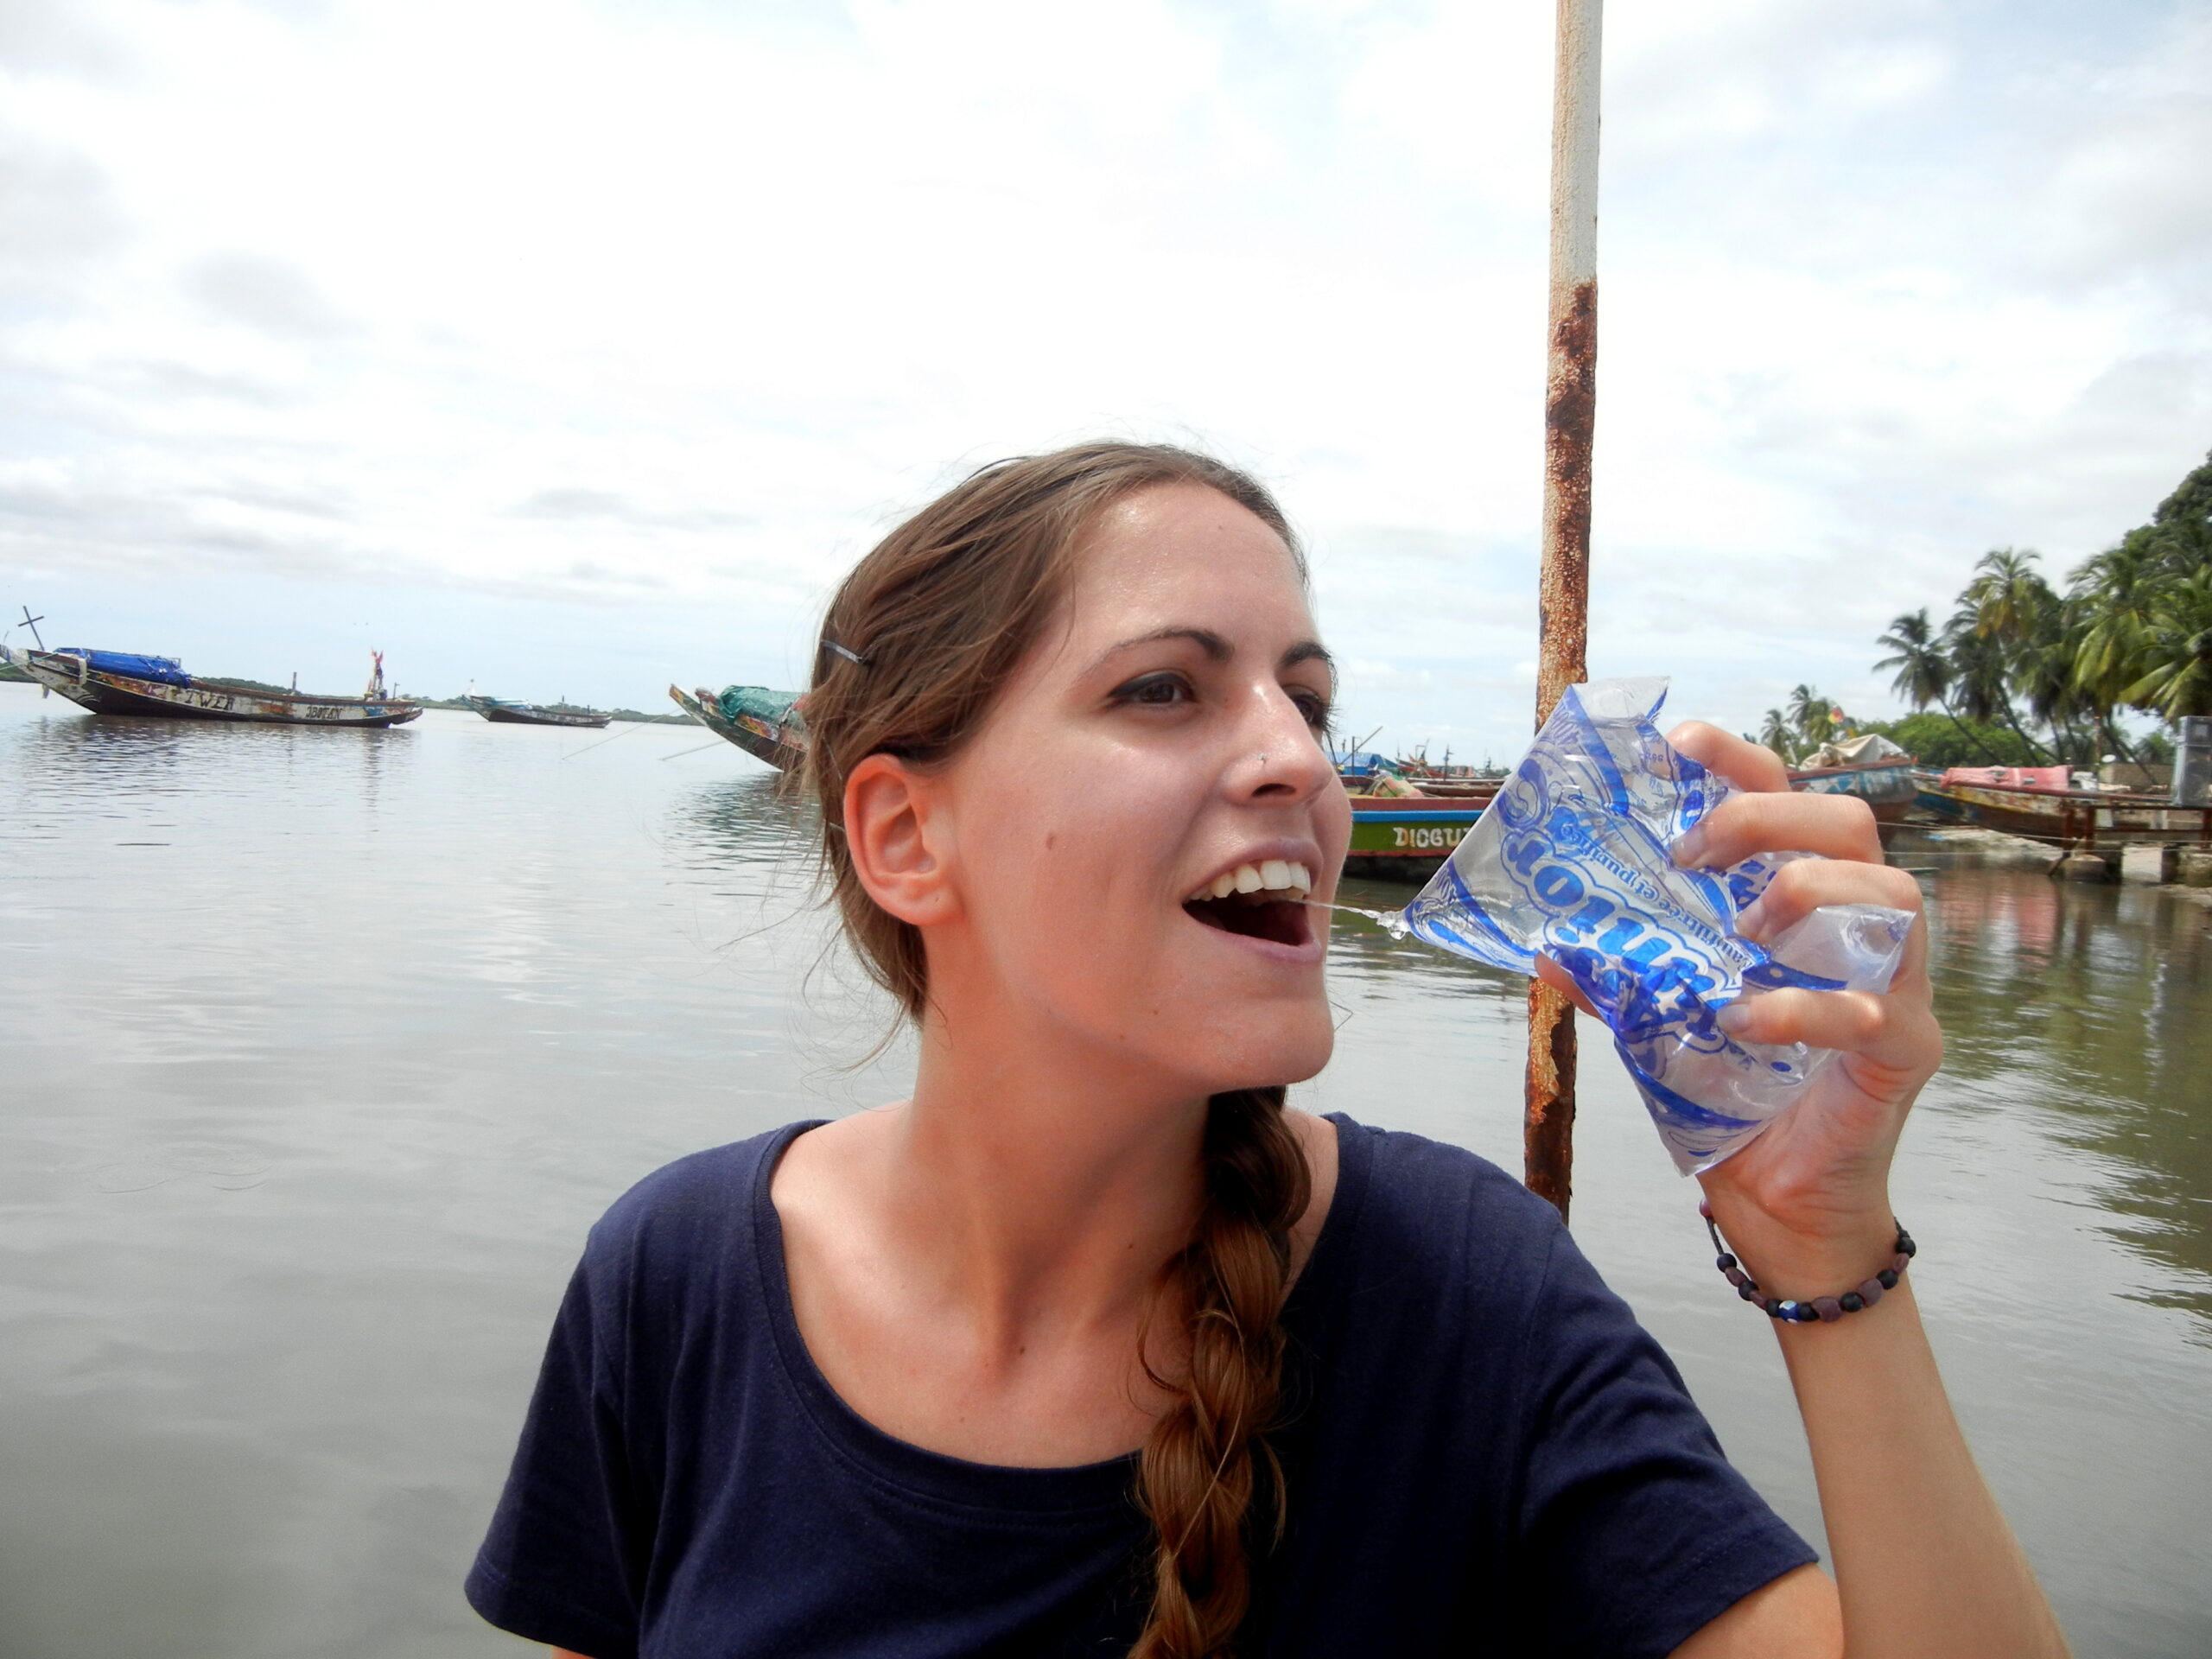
x,y
1896,1035
1562,982
1834,881
1799,889
1835,826
1742,762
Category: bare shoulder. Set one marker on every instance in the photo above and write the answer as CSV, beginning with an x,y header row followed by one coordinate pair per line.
x,y
1796,1617
824,1163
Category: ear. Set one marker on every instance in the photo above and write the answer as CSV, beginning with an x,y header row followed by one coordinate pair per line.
x,y
895,835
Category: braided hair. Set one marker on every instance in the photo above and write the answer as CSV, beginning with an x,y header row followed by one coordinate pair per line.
x,y
914,646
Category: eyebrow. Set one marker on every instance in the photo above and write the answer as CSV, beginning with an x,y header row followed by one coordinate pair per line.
x,y
1218,650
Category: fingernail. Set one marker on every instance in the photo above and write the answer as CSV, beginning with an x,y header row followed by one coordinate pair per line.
x,y
1733,1018
1750,918
1690,848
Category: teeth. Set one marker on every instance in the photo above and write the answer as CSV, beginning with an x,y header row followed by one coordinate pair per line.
x,y
1270,875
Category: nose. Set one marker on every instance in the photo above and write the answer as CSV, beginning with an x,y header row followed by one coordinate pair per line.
x,y
1280,759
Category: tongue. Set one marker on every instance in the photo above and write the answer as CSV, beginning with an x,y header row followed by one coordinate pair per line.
x,y
1278,920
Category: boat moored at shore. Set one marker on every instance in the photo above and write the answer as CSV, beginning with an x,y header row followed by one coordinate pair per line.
x,y
1404,828
1405,837
2070,819
157,687
1887,785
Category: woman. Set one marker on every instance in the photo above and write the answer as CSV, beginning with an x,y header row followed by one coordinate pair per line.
x,y
1092,1346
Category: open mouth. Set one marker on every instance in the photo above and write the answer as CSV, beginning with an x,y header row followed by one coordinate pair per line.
x,y
1259,901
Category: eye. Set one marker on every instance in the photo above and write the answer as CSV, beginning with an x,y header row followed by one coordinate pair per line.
x,y
1314,707
1155,690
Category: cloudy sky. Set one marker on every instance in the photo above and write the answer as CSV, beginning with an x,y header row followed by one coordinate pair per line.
x,y
574,348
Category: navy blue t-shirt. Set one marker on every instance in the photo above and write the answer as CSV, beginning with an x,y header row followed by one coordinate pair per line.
x,y
1484,1455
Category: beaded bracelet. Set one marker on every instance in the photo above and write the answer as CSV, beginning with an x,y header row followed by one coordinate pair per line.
x,y
1827,1309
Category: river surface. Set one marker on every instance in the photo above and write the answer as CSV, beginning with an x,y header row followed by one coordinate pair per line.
x,y
322,1050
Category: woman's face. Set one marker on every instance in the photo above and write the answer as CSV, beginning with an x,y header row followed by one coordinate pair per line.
x,y
1133,826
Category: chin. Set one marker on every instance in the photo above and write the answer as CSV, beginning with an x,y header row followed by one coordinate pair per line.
x,y
1269,1053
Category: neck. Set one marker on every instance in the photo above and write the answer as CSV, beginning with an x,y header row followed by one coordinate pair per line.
x,y
1040,1185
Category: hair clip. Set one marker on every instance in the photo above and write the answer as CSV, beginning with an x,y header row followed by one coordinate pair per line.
x,y
852,657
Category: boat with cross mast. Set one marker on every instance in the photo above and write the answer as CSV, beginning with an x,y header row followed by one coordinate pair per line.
x,y
157,687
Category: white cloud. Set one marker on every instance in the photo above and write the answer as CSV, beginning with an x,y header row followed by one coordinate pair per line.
x,y
597,303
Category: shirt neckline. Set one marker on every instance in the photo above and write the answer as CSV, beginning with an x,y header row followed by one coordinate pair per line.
x,y
937,1478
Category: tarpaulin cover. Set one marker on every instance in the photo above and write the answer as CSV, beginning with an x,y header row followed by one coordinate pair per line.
x,y
167,670
1850,751
758,701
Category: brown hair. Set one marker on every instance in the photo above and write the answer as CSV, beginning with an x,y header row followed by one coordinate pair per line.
x,y
939,614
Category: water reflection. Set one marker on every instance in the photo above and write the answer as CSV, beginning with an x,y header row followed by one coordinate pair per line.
x,y
2094,1004
107,768
753,818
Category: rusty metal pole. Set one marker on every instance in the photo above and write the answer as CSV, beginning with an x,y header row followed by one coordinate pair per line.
x,y
1563,585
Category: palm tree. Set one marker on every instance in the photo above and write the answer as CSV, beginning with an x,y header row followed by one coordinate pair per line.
x,y
1924,672
2007,593
2003,614
1979,673
2043,672
1775,733
2134,628
2178,652
1809,714
2182,526
2042,634
1923,675
2116,593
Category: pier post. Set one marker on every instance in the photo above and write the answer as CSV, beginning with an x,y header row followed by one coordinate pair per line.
x,y
2150,863
1563,581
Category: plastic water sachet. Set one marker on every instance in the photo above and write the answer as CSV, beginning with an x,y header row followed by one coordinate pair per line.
x,y
1572,860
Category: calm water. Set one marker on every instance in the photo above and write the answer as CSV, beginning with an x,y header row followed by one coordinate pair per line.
x,y
322,1050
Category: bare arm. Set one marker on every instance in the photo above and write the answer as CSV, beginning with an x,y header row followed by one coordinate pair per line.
x,y
1925,1564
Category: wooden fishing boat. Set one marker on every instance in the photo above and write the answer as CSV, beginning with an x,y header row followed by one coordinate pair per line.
x,y
1887,785
1406,837
766,724
120,682
1461,789
2068,819
1444,779
1370,773
502,712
